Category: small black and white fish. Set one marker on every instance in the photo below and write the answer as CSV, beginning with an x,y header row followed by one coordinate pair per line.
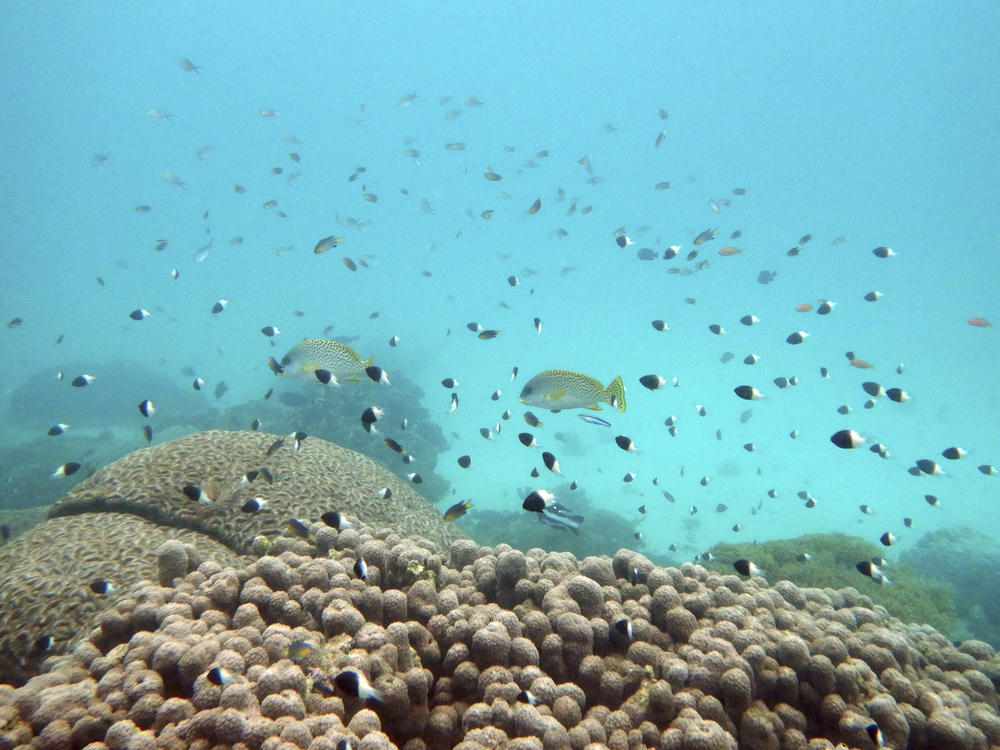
x,y
952,454
873,296
361,568
465,461
198,383
797,337
749,320
625,443
897,394
803,557
526,696
146,408
623,627
653,381
747,568
298,437
139,314
376,374
370,416
527,439
384,494
58,429
270,331
337,520
660,325
926,466
846,439
717,329
450,383
415,478
513,374
747,393
65,470
538,325
82,381
102,587
219,306
888,539
551,462
870,569
194,492
987,469
253,505
255,425
220,677
454,402
356,685
883,252
495,396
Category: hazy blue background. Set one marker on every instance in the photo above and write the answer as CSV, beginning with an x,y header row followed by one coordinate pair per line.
x,y
876,122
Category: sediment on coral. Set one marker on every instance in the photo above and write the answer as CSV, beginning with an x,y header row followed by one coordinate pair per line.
x,y
710,660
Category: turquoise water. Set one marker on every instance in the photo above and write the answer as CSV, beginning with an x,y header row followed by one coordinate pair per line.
x,y
854,121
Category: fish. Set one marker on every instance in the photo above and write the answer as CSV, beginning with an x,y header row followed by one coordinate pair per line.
x,y
551,462
625,443
591,419
660,325
489,334
65,470
747,568
300,529
102,587
82,381
873,296
526,696
457,510
270,331
883,252
356,685
897,394
987,469
146,408
538,326
361,568
139,314
253,505
194,492
327,243
312,357
979,322
749,320
717,329
872,388
926,466
301,650
565,389
705,236
198,383
870,569
465,461
888,539
220,389
527,439
825,307
796,337
747,393
147,432
415,478
652,382
377,375
220,677
847,439
58,429
766,277
454,402
532,420
219,306
336,520
535,207
495,396
952,454
450,383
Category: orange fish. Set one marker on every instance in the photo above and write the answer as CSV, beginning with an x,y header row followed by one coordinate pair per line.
x,y
861,364
730,251
804,307
979,322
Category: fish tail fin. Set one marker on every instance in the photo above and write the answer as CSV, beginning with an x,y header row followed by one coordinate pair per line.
x,y
275,367
615,393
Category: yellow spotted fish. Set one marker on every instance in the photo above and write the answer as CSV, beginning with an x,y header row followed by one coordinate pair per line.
x,y
565,389
321,361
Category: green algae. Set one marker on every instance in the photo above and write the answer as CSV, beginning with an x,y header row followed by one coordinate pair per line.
x,y
912,597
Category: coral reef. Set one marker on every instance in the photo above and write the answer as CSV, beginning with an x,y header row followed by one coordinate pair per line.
x,y
454,644
966,560
914,596
111,525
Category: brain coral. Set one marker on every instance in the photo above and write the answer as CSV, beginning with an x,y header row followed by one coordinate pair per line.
x,y
551,667
132,521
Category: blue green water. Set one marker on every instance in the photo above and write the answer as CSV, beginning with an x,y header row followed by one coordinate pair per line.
x,y
876,123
